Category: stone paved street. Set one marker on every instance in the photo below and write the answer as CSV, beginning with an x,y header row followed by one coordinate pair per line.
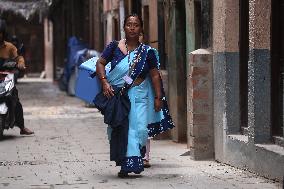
x,y
70,150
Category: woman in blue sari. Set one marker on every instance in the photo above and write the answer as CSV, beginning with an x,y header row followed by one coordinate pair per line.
x,y
137,65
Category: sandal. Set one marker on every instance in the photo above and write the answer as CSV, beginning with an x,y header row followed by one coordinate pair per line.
x,y
146,163
122,174
26,131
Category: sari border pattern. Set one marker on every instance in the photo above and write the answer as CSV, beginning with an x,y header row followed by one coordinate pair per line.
x,y
132,164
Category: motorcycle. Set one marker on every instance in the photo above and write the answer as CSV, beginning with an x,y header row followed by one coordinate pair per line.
x,y
7,86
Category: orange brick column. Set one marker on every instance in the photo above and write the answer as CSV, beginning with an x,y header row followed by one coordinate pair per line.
x,y
200,106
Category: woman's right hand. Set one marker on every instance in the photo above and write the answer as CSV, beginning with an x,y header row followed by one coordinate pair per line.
x,y
107,89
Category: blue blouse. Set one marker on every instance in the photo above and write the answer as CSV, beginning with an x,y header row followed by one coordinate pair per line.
x,y
113,54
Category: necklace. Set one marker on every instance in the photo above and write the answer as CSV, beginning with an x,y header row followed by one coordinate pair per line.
x,y
135,58
133,49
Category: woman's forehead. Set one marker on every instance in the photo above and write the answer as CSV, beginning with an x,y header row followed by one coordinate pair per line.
x,y
133,19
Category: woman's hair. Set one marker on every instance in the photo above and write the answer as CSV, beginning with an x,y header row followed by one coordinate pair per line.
x,y
133,15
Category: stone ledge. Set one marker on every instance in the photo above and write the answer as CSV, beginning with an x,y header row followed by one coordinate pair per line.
x,y
269,147
272,148
243,138
278,140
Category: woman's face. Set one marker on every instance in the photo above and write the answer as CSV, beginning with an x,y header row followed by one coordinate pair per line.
x,y
132,27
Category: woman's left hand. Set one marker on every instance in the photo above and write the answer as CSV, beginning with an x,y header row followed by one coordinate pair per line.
x,y
158,104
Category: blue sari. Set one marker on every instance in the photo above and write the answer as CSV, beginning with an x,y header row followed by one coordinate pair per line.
x,y
144,122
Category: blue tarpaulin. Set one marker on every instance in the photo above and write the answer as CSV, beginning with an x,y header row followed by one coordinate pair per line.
x,y
74,45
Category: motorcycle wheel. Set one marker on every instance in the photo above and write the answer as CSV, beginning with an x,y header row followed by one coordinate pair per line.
x,y
2,126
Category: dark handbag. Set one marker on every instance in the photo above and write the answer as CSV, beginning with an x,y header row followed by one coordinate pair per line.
x,y
115,109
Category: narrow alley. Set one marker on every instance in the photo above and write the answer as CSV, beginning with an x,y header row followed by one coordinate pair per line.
x,y
70,150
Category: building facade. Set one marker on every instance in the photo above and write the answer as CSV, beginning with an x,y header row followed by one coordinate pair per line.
x,y
221,63
248,90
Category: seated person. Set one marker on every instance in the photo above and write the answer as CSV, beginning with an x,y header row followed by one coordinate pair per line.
x,y
9,51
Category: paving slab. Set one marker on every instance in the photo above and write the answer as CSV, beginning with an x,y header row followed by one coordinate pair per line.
x,y
70,150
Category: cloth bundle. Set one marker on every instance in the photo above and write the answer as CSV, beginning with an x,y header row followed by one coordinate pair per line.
x,y
114,109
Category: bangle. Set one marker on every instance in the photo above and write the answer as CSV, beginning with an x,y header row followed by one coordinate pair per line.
x,y
103,77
